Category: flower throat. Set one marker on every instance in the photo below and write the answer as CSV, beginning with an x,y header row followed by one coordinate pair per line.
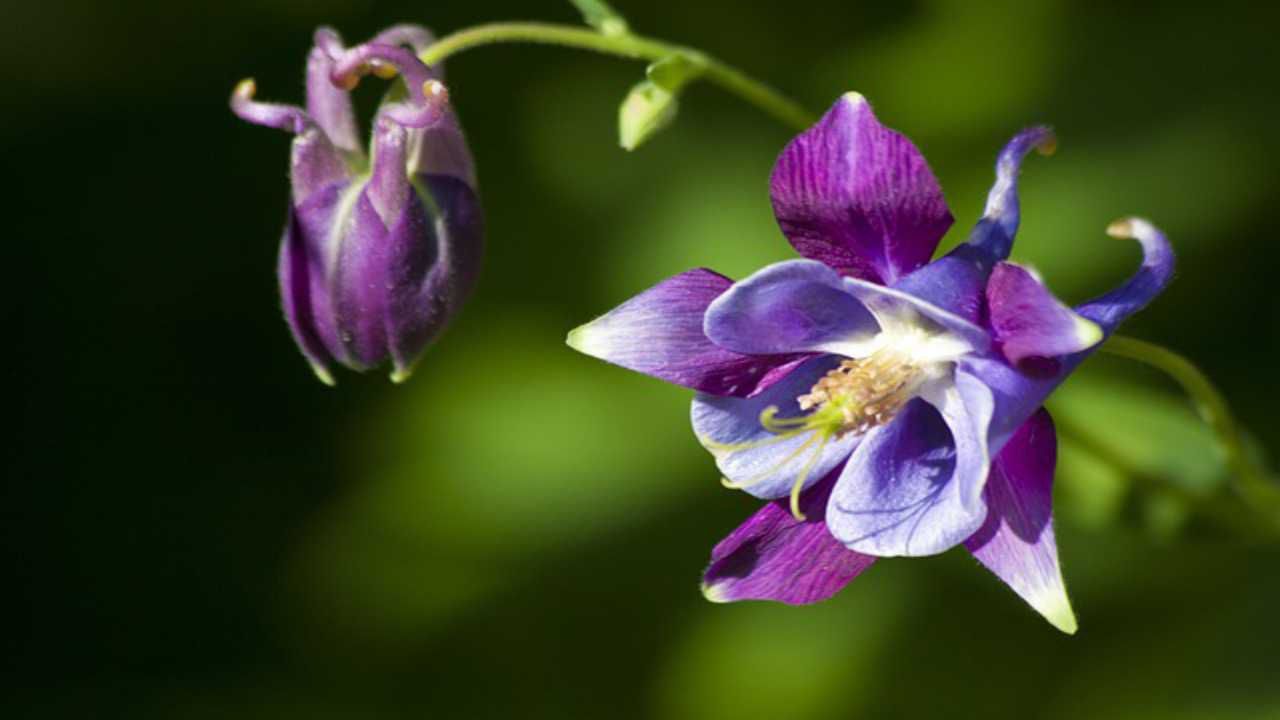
x,y
853,397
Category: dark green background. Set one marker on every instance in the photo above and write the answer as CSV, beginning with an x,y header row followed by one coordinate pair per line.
x,y
195,528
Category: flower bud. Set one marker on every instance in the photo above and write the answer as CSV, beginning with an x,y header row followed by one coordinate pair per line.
x,y
379,252
647,109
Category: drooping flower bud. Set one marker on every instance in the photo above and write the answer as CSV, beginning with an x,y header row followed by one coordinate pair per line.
x,y
378,253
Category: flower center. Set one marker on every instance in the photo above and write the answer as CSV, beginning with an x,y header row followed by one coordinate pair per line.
x,y
854,397
859,395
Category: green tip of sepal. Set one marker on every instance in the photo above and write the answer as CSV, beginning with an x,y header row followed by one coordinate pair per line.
x,y
1052,604
401,374
646,110
1063,618
854,98
323,375
578,339
713,593
1088,332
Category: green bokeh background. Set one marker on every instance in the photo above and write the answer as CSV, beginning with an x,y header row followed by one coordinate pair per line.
x,y
196,528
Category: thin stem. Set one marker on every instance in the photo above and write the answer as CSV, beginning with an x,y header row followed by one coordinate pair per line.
x,y
623,45
1252,481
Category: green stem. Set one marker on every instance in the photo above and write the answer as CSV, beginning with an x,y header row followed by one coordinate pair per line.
x,y
1252,481
623,45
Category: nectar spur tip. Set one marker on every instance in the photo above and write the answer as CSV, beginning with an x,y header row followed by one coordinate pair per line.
x,y
1122,228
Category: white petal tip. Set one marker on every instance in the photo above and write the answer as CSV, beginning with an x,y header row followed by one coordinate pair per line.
x,y
401,375
1130,228
714,594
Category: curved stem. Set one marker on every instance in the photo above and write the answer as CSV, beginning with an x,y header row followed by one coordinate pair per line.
x,y
1253,482
623,45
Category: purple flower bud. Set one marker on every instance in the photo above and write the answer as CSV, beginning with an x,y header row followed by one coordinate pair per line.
x,y
378,253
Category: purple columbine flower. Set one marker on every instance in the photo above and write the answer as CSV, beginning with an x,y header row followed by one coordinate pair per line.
x,y
885,405
377,253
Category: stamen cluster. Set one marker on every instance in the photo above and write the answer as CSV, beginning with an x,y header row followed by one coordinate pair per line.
x,y
863,394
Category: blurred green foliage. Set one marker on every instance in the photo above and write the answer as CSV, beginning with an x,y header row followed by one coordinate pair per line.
x,y
198,529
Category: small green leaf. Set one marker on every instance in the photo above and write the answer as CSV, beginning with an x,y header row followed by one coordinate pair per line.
x,y
600,16
647,109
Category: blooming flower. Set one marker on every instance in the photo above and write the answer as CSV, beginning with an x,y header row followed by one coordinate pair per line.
x,y
885,405
376,256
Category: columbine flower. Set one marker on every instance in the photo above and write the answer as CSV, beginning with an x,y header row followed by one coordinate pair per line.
x,y
376,256
887,407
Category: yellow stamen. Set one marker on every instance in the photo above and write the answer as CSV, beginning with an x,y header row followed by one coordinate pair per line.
x,y
773,468
798,486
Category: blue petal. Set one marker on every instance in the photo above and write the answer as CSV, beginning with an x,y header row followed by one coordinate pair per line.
x,y
793,306
914,487
1153,275
999,223
897,311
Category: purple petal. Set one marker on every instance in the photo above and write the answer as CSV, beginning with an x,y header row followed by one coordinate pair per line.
x,y
1016,542
774,556
659,333
792,306
442,150
1029,321
328,104
314,164
359,284
858,196
289,118
415,36
427,97
388,187
956,281
914,486
433,266
764,464
303,271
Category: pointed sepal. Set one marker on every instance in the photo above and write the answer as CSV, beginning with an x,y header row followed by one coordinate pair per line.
x,y
1017,542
